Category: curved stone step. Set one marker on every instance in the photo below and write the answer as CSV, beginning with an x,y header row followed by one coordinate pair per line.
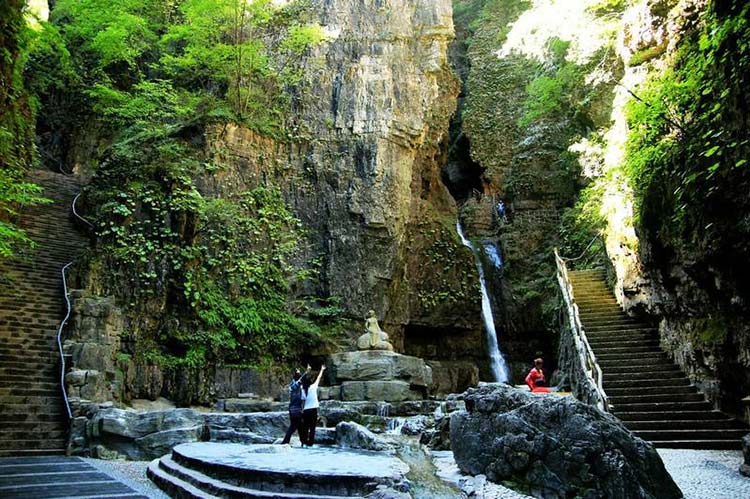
x,y
303,473
180,481
706,415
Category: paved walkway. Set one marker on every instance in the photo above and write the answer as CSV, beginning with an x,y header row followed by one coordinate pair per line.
x,y
706,474
45,477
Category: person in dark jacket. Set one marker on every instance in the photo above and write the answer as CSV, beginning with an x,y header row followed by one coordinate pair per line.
x,y
296,404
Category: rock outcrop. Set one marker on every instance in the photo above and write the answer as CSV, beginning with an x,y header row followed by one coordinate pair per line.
x,y
117,433
378,375
554,447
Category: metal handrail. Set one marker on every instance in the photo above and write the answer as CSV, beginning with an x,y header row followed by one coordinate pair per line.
x,y
588,246
59,340
585,353
67,314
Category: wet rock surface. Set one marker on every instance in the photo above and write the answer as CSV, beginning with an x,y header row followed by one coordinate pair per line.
x,y
355,436
554,447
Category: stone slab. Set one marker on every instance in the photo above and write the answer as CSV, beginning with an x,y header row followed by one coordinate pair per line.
x,y
379,365
386,391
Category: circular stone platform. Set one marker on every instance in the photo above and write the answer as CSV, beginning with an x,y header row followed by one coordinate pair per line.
x,y
217,468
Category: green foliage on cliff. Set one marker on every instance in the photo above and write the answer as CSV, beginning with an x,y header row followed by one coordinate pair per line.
x,y
158,75
688,149
17,114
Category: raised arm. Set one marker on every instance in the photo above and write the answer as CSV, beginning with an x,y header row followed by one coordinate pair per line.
x,y
320,374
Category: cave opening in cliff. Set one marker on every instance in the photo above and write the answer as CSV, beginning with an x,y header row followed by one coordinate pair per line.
x,y
461,174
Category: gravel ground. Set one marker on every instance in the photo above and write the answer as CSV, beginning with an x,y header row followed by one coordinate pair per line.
x,y
131,473
707,474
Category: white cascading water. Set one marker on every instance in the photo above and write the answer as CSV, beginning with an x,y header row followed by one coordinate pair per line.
x,y
497,362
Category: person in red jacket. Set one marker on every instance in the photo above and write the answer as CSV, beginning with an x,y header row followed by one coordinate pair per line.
x,y
535,379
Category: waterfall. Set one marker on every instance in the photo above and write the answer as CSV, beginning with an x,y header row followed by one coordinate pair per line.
x,y
497,362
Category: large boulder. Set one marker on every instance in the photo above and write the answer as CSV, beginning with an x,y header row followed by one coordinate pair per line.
x,y
554,447
379,365
355,436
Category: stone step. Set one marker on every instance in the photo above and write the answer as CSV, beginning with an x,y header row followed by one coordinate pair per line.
x,y
698,444
606,330
645,369
180,481
633,349
617,400
642,356
609,365
680,415
665,383
685,424
609,337
36,356
27,343
662,407
51,400
32,452
647,341
22,391
32,425
649,390
31,322
693,434
608,314
25,370
36,433
44,366
34,414
38,444
621,323
644,376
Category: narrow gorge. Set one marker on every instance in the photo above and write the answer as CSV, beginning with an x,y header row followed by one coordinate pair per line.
x,y
241,187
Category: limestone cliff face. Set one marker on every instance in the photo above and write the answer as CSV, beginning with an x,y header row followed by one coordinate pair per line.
x,y
361,169
365,176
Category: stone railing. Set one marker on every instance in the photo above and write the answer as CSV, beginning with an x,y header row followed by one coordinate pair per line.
x,y
586,374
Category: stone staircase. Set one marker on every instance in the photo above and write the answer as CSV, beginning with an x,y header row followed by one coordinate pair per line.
x,y
646,390
32,416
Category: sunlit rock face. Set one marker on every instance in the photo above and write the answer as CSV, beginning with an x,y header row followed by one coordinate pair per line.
x,y
695,298
370,123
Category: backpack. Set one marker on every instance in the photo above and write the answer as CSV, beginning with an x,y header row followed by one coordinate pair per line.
x,y
295,395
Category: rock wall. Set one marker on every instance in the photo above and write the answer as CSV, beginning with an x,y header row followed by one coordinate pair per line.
x,y
526,159
688,285
361,168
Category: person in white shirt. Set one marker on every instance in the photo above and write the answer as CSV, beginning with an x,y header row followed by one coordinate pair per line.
x,y
310,413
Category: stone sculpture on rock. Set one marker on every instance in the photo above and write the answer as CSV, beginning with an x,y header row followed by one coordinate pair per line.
x,y
374,337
